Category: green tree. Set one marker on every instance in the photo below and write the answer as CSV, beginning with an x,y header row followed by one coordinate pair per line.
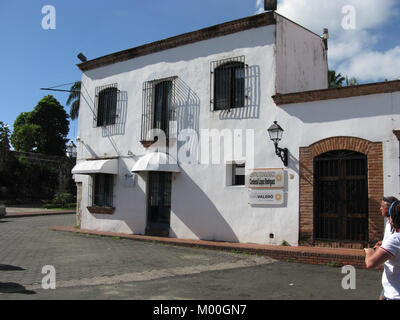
x,y
25,137
43,130
74,100
4,146
351,82
335,80
5,162
4,137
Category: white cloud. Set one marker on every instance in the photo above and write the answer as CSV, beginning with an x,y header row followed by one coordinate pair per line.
x,y
373,65
349,50
319,14
350,43
259,6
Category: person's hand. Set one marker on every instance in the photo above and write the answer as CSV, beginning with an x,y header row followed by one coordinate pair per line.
x,y
369,251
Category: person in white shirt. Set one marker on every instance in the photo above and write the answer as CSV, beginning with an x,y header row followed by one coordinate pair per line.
x,y
386,202
388,254
385,205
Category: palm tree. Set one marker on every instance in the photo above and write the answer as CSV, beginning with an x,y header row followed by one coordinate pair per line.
x,y
73,100
335,80
351,82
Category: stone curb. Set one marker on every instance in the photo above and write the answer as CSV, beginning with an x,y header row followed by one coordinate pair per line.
x,y
33,214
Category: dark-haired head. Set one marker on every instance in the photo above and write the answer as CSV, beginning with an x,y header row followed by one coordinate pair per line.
x,y
385,205
389,200
395,215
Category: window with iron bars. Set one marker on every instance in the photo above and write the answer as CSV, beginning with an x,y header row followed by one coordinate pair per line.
x,y
228,83
158,107
101,191
106,101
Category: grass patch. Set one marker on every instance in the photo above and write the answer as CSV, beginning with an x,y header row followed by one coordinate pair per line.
x,y
52,206
334,264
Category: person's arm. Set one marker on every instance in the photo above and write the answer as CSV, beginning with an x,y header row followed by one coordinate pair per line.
x,y
378,244
374,258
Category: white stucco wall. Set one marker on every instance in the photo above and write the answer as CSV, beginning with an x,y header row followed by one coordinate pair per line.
x,y
371,117
203,206
301,58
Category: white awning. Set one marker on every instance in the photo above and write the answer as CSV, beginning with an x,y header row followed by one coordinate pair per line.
x,y
156,161
109,166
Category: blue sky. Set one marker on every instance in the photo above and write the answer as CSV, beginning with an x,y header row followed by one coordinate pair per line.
x,y
32,58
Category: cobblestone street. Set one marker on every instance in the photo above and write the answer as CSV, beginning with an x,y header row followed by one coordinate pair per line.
x,y
94,267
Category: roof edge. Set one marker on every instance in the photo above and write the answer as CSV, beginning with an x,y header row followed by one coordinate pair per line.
x,y
337,93
255,21
299,25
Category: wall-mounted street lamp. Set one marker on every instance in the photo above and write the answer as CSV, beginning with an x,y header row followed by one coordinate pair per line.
x,y
275,134
71,150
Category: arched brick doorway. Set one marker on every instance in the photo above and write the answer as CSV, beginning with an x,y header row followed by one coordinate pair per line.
x,y
307,188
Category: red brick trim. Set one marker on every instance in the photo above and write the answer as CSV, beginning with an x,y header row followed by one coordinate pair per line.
x,y
373,150
255,21
337,93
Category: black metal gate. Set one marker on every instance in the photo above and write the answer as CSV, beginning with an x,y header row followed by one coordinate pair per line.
x,y
341,196
158,203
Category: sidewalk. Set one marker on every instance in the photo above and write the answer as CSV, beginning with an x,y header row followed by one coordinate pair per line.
x,y
311,255
30,210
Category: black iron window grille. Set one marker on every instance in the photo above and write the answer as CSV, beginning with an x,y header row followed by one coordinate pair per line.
x,y
158,107
341,197
229,83
106,102
101,191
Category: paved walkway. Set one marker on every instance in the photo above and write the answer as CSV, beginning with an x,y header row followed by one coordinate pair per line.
x,y
98,267
20,211
312,255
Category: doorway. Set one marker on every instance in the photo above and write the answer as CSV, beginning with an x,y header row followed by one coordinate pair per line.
x,y
341,196
158,203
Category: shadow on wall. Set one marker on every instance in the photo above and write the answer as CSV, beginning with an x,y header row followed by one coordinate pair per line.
x,y
187,114
343,109
198,213
118,128
92,153
187,107
293,163
252,108
133,210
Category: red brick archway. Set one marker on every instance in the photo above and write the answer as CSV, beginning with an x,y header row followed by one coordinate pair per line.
x,y
373,150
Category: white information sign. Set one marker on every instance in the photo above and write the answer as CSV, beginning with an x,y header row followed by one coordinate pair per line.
x,y
266,178
266,186
266,196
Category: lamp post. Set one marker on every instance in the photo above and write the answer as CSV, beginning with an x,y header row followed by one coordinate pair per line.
x,y
71,150
275,134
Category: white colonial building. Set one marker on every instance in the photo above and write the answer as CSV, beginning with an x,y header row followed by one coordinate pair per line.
x,y
173,140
